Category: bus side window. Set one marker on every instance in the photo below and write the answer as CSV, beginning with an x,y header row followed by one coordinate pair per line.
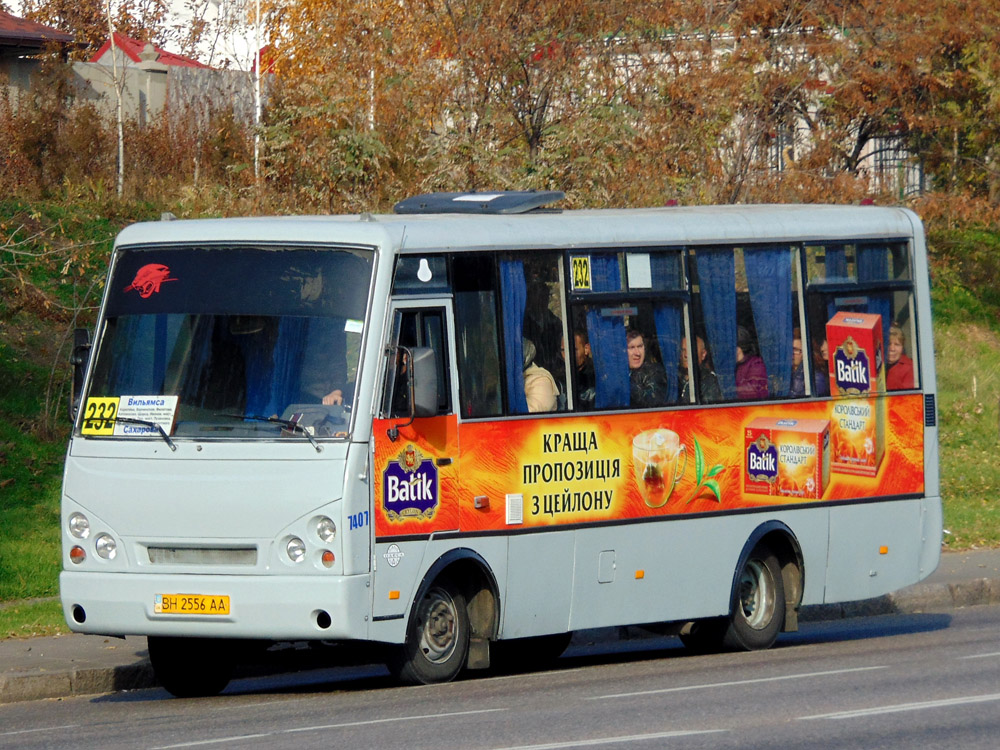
x,y
477,335
880,272
424,328
746,306
534,329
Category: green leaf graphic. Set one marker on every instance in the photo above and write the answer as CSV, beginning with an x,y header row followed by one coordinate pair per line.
x,y
714,487
699,462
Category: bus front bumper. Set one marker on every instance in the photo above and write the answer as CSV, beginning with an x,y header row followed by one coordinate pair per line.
x,y
259,607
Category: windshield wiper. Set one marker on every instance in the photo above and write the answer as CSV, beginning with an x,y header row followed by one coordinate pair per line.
x,y
293,426
145,423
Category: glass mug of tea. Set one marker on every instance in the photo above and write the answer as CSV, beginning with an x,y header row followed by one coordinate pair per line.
x,y
659,461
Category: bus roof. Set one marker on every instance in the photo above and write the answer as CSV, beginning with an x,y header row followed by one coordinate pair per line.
x,y
421,233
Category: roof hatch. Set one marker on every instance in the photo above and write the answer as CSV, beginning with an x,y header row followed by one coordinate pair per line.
x,y
497,202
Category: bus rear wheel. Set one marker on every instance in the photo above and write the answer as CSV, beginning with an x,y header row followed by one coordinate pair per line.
x,y
437,639
192,667
758,607
756,613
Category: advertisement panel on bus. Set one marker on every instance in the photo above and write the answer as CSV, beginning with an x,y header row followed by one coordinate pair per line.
x,y
609,467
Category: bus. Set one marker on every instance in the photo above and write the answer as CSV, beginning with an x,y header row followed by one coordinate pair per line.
x,y
464,430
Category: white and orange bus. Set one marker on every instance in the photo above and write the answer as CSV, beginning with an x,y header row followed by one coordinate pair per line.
x,y
472,427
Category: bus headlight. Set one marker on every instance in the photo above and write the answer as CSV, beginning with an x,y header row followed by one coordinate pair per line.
x,y
106,546
326,529
295,548
79,526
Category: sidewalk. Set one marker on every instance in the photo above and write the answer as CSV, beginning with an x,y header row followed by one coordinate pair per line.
x,y
70,665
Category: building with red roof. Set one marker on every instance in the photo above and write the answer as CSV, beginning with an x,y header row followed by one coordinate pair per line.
x,y
131,51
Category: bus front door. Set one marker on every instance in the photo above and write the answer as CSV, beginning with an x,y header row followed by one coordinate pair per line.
x,y
415,462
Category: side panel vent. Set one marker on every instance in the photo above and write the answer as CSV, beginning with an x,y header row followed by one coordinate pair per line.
x,y
930,410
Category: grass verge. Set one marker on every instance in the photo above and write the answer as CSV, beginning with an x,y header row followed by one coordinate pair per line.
x,y
29,619
968,370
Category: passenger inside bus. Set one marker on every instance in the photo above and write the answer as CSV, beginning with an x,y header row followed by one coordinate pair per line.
x,y
751,374
899,370
798,387
583,366
821,366
540,389
708,381
647,379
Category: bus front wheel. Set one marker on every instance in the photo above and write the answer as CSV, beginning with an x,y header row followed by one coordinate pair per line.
x,y
191,667
437,639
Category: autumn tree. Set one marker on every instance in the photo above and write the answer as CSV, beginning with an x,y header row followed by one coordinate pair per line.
x,y
87,20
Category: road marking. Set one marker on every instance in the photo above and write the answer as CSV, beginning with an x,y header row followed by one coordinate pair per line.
x,y
906,707
981,656
613,740
279,732
40,729
735,683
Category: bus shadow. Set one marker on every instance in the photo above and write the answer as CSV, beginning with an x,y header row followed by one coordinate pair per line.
x,y
298,671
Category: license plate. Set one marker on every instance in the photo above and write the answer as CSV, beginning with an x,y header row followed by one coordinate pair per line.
x,y
190,604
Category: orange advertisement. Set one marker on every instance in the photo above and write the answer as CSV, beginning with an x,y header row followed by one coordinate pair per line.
x,y
593,468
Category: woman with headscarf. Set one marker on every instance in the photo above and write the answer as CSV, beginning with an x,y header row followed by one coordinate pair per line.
x,y
540,389
751,374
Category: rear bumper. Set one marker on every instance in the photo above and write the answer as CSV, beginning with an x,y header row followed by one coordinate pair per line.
x,y
264,607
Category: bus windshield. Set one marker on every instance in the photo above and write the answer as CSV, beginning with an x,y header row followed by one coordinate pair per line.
x,y
240,341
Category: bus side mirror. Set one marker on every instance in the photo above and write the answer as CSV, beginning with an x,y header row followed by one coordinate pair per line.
x,y
425,382
422,382
78,358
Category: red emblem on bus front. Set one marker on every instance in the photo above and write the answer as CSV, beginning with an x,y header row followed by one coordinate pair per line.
x,y
148,279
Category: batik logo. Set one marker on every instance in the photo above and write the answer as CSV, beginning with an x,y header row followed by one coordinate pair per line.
x,y
410,486
762,460
852,369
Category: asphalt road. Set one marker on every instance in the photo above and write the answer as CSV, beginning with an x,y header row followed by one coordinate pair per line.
x,y
895,681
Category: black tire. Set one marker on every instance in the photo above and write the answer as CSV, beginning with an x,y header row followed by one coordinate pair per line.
x,y
705,636
526,654
437,639
758,606
192,667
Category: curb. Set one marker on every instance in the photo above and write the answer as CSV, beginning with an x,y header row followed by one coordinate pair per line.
x,y
41,684
33,686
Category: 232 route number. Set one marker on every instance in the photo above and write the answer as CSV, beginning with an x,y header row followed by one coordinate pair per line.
x,y
99,416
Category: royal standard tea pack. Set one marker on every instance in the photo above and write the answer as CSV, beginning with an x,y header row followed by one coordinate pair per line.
x,y
857,376
787,457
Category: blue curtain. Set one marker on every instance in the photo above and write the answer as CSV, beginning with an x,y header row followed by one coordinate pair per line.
x,y
873,265
836,263
258,364
132,374
286,361
769,278
607,338
836,270
666,275
514,294
717,282
149,339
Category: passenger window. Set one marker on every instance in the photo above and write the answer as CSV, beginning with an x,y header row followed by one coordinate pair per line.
x,y
869,277
630,341
746,306
533,333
